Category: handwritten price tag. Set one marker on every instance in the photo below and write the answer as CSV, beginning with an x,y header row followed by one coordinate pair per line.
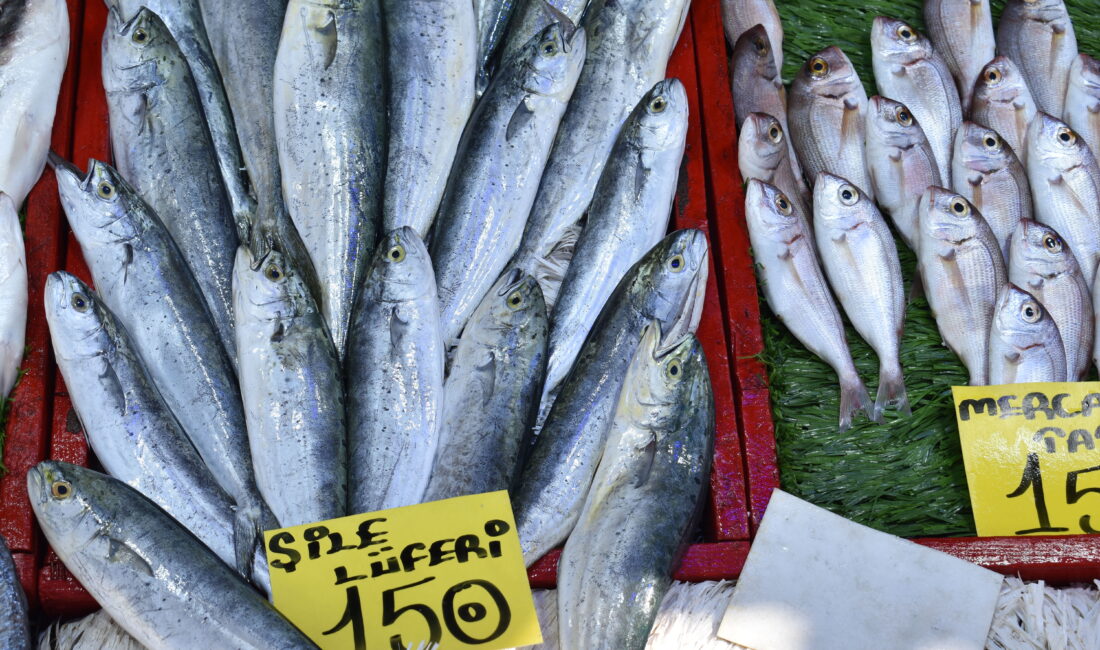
x,y
1032,456
448,572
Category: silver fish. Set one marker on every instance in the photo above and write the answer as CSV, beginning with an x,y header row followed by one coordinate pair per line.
x,y
645,500
143,279
910,71
1082,110
394,374
827,112
860,259
901,163
1003,102
1096,321
495,176
962,32
962,268
1042,264
794,286
492,390
764,151
290,384
1064,181
629,44
1038,36
629,214
739,16
330,111
532,16
128,553
666,285
1024,345
15,626
34,50
129,427
986,171
492,22
428,103
161,145
13,294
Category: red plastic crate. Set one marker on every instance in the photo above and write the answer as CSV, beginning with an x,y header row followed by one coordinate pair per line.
x,y
1055,559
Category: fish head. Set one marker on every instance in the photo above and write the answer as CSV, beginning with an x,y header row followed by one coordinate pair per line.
x,y
838,204
269,288
662,373
63,497
980,149
1021,321
1041,11
132,49
1084,75
660,119
753,51
1051,142
891,123
770,211
554,58
1000,81
828,73
97,204
78,321
672,282
898,42
402,266
513,303
764,135
947,217
1040,250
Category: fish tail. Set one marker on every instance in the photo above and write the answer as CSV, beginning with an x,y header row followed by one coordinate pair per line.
x,y
891,391
247,528
853,398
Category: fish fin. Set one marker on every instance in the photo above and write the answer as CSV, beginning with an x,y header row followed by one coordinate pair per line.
x,y
398,325
119,553
854,398
550,270
247,529
974,180
279,333
1056,180
891,391
898,70
850,122
520,118
1093,108
894,157
649,452
641,175
488,372
326,38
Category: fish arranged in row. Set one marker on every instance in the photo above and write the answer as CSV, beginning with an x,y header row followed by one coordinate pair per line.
x,y
764,152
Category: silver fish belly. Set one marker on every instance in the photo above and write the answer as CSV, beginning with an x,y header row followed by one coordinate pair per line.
x,y
1038,36
13,294
962,32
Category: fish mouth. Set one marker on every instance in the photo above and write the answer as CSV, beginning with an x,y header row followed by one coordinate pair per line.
x,y
59,164
691,309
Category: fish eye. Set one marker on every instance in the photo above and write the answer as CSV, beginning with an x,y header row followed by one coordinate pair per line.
x,y
1031,312
1052,244
991,141
676,264
903,116
783,205
674,370
1066,136
658,104
549,48
992,76
775,134
819,67
761,46
273,272
848,194
906,33
140,36
515,300
959,206
61,489
396,254
105,190
79,302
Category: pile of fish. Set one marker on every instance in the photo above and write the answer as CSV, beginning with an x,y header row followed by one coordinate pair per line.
x,y
352,256
978,151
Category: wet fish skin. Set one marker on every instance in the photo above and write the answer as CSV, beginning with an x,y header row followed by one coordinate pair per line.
x,y
493,17
962,33
1003,102
827,112
1082,110
910,71
962,268
795,288
666,285
629,44
15,626
495,177
34,50
161,145
394,375
629,214
428,103
1064,178
291,389
644,502
764,151
130,553
900,162
1024,345
740,16
143,279
532,16
1038,36
13,294
134,435
491,393
1042,264
848,227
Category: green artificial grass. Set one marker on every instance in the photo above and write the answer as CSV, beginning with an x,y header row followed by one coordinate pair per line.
x,y
904,476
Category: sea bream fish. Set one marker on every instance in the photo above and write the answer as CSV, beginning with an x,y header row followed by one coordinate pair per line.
x,y
1082,110
795,288
1038,36
764,151
740,16
1003,102
13,294
1024,344
962,32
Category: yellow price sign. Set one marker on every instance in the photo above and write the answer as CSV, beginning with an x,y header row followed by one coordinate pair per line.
x,y
1032,456
447,572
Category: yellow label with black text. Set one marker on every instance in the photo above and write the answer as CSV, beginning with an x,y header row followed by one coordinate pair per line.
x,y
447,572
1032,456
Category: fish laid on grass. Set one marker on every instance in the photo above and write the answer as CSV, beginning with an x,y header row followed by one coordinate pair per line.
x,y
666,285
1042,264
13,294
130,554
740,16
144,280
1065,186
496,172
827,113
860,259
1038,36
428,103
330,122
962,33
161,145
645,500
795,288
985,170
15,625
1024,345
908,70
1082,110
491,394
901,163
394,373
1003,102
764,151
962,268
34,49
293,395
134,436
